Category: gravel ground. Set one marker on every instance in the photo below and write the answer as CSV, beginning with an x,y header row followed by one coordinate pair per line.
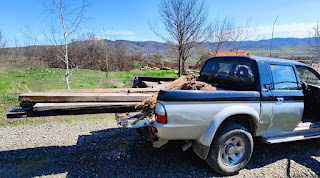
x,y
103,150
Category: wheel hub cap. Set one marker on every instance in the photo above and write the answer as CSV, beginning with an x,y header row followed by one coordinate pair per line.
x,y
233,151
230,149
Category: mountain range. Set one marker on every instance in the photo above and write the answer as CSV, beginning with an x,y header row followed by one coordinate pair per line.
x,y
280,46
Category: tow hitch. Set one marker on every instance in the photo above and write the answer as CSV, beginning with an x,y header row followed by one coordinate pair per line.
x,y
143,126
129,120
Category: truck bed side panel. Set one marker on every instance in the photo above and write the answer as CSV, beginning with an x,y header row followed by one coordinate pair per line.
x,y
188,120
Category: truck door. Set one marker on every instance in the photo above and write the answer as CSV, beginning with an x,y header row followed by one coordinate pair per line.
x,y
287,99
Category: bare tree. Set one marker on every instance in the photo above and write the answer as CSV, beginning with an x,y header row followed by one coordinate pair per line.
x,y
221,32
274,24
30,42
241,33
185,23
70,17
3,42
314,42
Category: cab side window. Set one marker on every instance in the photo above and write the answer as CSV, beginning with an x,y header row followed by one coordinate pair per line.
x,y
308,76
284,77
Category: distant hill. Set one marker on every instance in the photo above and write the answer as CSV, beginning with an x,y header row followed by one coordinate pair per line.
x,y
145,47
281,46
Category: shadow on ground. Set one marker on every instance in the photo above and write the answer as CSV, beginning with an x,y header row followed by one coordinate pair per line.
x,y
122,153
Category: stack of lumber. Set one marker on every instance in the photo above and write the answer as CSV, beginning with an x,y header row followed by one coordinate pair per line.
x,y
91,101
81,101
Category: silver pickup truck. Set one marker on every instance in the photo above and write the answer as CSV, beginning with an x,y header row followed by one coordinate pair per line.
x,y
272,99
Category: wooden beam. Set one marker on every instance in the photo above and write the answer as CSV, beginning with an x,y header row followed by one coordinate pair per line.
x,y
12,115
70,106
108,90
57,109
47,97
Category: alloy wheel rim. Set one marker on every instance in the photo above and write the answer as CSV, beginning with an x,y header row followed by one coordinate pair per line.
x,y
233,150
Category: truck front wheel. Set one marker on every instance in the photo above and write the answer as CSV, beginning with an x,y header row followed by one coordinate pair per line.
x,y
231,149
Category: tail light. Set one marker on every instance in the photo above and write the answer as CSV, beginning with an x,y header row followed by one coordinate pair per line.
x,y
160,114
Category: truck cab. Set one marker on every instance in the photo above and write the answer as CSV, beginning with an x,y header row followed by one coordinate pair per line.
x,y
289,97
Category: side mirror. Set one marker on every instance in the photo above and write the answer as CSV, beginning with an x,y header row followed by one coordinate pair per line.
x,y
304,85
268,87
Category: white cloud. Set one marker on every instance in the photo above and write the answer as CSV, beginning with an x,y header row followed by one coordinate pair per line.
x,y
116,34
297,30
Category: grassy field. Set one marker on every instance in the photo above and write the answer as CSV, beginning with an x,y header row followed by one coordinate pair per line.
x,y
16,81
189,61
283,51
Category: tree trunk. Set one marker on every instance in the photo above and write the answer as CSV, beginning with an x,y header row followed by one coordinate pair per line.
x,y
179,65
107,65
67,78
179,58
66,57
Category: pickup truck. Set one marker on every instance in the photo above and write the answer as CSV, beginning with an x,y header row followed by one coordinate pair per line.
x,y
274,100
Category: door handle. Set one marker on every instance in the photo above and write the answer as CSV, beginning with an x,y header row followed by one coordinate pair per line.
x,y
280,99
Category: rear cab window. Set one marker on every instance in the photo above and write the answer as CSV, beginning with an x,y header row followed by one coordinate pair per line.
x,y
235,73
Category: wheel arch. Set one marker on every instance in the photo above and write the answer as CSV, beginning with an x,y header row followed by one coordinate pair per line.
x,y
245,120
243,115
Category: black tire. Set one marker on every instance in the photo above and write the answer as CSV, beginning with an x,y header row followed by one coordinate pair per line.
x,y
230,132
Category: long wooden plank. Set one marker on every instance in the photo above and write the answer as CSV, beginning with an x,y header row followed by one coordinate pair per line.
x,y
14,115
56,109
105,105
59,112
44,97
108,90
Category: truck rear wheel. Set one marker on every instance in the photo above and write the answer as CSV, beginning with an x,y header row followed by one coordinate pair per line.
x,y
231,149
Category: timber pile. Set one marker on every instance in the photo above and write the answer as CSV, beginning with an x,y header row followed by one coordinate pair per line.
x,y
90,101
81,101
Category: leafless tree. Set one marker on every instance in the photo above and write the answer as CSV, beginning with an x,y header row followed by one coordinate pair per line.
x,y
118,54
241,33
30,42
185,23
3,42
314,42
70,17
274,24
226,32
113,54
220,32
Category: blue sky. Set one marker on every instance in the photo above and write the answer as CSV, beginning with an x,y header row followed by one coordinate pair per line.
x,y
128,19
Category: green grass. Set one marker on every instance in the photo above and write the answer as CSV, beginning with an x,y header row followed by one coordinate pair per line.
x,y
16,81
138,64
189,61
283,51
127,77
